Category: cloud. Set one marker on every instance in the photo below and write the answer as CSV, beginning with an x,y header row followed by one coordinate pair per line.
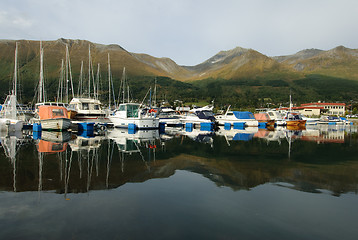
x,y
187,31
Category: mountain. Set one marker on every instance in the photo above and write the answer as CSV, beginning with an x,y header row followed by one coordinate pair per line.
x,y
339,62
238,74
236,63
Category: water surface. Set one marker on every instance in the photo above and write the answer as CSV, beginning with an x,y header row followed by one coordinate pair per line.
x,y
248,184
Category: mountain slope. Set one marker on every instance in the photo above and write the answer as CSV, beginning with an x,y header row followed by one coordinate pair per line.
x,y
338,62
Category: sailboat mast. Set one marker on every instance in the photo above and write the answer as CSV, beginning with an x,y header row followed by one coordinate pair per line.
x,y
89,71
14,87
41,84
97,80
109,83
70,71
66,75
59,91
124,80
79,92
155,93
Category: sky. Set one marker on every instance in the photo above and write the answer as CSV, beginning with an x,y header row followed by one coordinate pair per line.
x,y
187,31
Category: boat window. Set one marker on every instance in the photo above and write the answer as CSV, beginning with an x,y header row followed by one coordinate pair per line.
x,y
122,107
85,106
96,107
208,113
271,114
57,112
132,110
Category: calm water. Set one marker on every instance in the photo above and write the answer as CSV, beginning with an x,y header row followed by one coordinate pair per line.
x,y
252,184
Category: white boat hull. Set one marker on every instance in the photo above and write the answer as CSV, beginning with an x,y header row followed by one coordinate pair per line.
x,y
248,122
142,123
55,124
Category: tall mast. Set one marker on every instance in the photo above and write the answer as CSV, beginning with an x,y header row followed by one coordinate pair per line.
x,y
79,92
14,87
60,83
109,83
155,93
66,75
41,80
89,71
124,81
97,79
290,102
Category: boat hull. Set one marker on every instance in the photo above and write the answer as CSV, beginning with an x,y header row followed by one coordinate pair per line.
x,y
248,122
58,124
143,123
299,123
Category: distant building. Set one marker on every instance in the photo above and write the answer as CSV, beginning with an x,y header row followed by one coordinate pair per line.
x,y
329,108
307,111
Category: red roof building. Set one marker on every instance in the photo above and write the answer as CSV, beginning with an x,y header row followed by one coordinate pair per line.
x,y
331,108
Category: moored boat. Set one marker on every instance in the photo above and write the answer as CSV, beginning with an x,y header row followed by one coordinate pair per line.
x,y
238,117
199,115
277,117
53,118
9,119
330,120
294,119
87,109
133,115
170,117
264,118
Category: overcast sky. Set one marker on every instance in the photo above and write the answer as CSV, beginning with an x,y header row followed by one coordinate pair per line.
x,y
187,31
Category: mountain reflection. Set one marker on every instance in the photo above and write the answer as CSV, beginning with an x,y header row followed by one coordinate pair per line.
x,y
313,160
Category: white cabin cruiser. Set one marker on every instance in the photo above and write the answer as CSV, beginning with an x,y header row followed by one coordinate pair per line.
x,y
200,115
277,116
169,116
88,109
133,115
237,117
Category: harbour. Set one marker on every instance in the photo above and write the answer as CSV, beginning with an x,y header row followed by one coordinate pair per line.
x,y
180,182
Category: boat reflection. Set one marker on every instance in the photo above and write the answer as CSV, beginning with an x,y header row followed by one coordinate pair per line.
x,y
256,157
11,143
195,134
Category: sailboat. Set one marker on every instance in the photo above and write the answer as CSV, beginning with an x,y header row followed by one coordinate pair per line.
x,y
133,115
8,114
88,108
51,116
294,119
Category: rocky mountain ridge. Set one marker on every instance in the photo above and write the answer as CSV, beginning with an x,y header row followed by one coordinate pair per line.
x,y
231,64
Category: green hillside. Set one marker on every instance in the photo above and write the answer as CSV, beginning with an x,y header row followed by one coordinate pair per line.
x,y
240,77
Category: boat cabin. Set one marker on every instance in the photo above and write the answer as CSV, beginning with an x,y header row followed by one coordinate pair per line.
x,y
129,110
52,112
85,104
242,115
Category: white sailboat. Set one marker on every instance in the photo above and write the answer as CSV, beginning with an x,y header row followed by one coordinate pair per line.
x,y
133,115
8,115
